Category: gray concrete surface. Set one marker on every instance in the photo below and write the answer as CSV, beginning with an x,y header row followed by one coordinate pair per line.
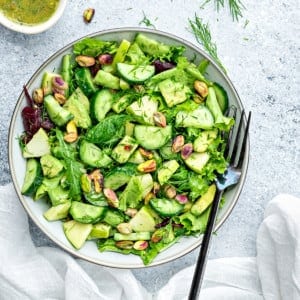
x,y
262,59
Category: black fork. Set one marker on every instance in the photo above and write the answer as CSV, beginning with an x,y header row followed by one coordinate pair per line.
x,y
230,177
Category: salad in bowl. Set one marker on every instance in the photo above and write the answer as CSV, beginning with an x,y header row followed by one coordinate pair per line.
x,y
120,144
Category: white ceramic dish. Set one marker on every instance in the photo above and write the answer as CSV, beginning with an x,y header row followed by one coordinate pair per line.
x,y
54,229
37,28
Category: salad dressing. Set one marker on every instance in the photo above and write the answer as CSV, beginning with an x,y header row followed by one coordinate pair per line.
x,y
28,12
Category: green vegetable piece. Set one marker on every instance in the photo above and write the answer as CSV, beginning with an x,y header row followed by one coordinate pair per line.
x,y
174,92
51,166
132,195
113,217
193,71
197,161
92,155
146,183
221,122
38,145
135,73
135,55
86,213
101,104
58,212
97,199
66,73
77,233
47,184
33,177
120,55
166,207
136,158
142,110
204,201
58,115
122,152
58,195
79,106
107,80
84,80
205,138
201,117
222,97
143,221
119,176
121,104
134,236
100,231
204,63
166,171
152,137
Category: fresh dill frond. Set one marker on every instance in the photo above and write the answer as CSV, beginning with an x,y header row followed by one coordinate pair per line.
x,y
146,21
235,7
202,34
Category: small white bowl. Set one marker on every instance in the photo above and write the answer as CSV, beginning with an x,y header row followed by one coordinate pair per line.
x,y
35,28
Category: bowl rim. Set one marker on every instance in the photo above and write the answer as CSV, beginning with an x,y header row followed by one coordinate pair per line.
x,y
44,229
35,28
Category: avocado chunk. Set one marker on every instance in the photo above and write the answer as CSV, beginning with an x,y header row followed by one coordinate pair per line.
x,y
58,212
143,221
205,138
174,92
197,161
100,231
136,157
146,183
122,152
58,115
79,106
107,80
204,201
134,236
86,213
92,155
51,166
58,195
152,137
77,233
167,169
142,110
38,145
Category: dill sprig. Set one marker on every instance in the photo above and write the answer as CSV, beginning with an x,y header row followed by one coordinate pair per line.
x,y
235,7
146,21
202,34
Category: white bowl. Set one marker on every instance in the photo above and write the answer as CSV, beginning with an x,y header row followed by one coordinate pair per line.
x,y
36,28
54,229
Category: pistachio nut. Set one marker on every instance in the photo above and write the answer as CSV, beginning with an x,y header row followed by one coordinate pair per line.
x,y
177,143
105,59
124,244
186,150
124,228
201,88
169,191
147,166
131,212
85,61
140,245
38,96
159,119
111,197
146,153
88,14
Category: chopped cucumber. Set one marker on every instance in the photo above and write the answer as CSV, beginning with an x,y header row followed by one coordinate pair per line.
x,y
135,73
166,207
135,236
58,212
222,96
152,137
101,104
33,177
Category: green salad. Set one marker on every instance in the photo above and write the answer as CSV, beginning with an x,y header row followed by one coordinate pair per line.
x,y
124,142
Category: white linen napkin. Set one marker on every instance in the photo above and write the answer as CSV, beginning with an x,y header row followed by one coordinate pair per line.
x,y
27,272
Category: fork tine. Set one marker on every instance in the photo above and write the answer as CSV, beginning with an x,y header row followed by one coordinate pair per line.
x,y
243,148
237,138
231,112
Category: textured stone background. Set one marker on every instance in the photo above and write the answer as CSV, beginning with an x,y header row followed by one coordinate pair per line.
x,y
262,59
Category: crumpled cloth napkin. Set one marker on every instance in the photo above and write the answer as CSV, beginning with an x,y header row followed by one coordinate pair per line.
x,y
44,273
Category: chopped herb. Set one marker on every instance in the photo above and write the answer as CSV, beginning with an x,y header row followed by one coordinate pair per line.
x,y
146,21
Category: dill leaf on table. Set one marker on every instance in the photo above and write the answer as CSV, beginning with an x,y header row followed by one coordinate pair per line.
x,y
202,34
235,7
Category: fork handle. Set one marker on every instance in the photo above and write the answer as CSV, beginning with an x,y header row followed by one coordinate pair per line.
x,y
202,258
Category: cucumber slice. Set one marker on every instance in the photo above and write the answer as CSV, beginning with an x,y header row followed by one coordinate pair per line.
x,y
101,104
152,137
86,213
135,236
135,73
33,177
57,212
222,96
166,207
100,231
